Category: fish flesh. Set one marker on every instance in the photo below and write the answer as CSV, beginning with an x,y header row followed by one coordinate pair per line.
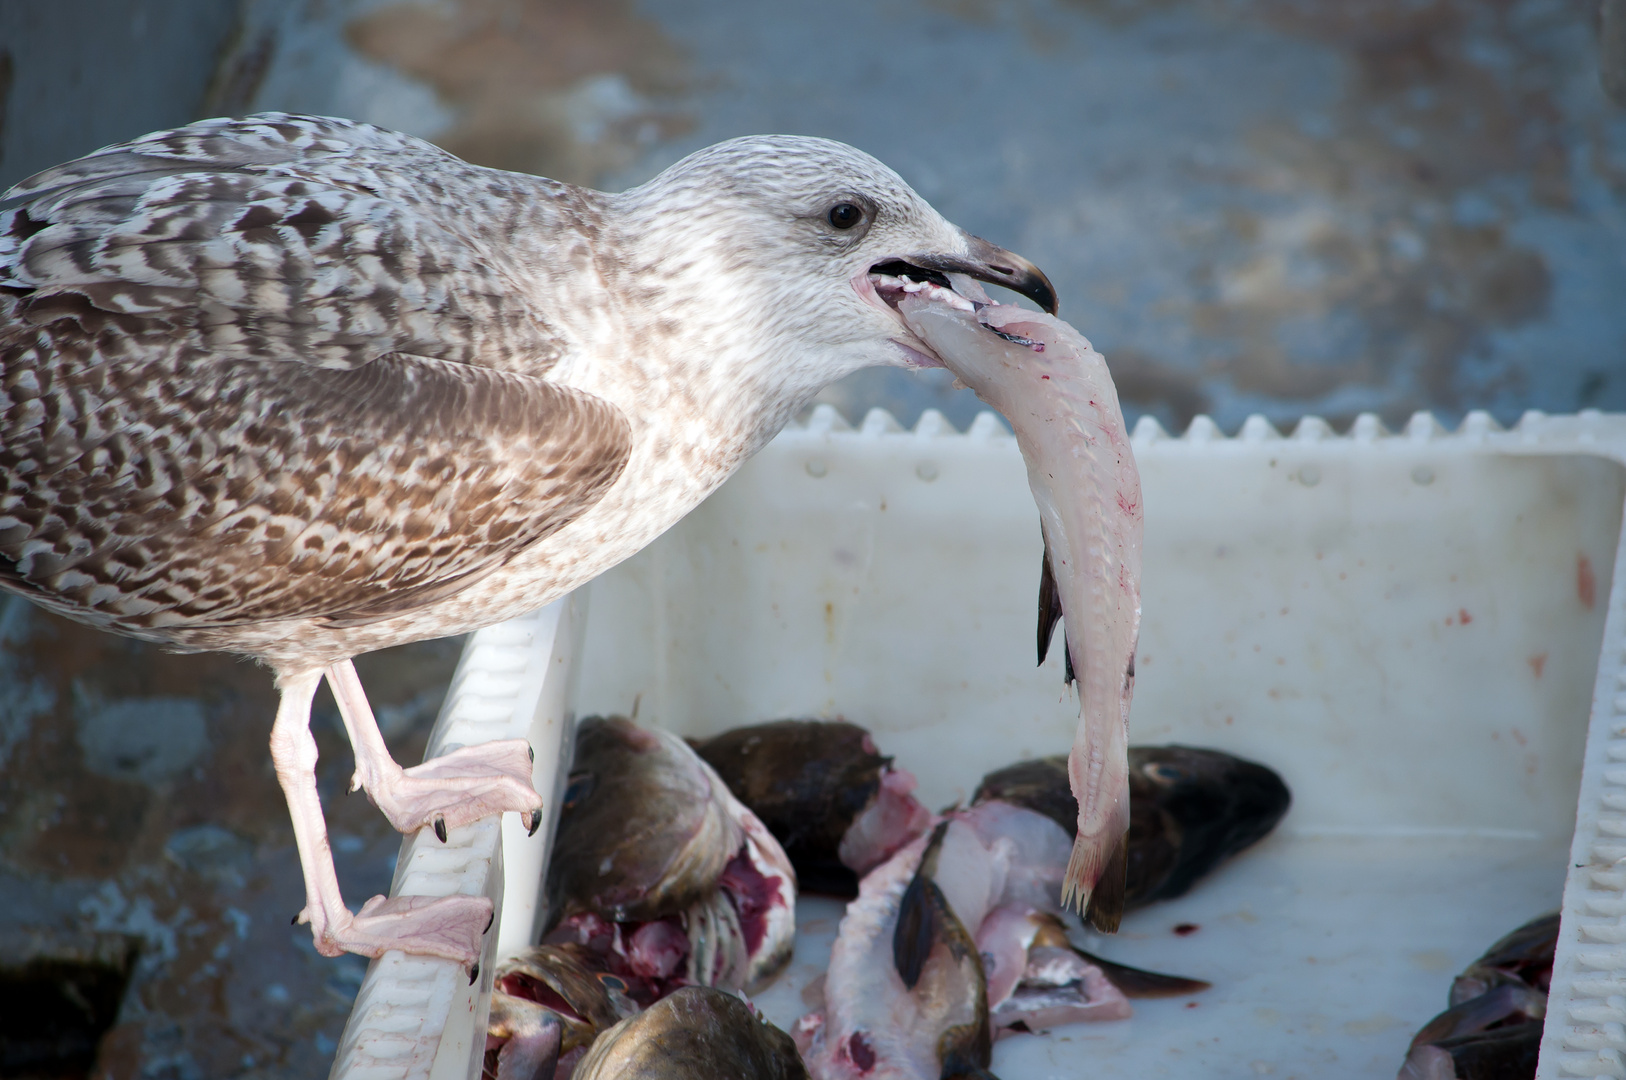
x,y
660,872
1058,396
697,1033
1189,810
832,800
957,940
548,1004
1030,853
905,995
1498,1005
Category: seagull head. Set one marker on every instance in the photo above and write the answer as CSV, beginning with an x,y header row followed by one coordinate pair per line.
x,y
812,244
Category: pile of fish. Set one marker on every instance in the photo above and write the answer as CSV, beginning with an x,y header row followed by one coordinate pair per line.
x,y
1492,1030
659,879
673,878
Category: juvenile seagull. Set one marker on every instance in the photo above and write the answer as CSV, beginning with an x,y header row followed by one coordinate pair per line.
x,y
300,388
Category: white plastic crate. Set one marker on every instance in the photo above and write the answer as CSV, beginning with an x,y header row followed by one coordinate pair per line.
x,y
1412,628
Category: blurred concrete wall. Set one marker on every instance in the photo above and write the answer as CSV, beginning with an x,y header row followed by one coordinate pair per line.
x,y
76,75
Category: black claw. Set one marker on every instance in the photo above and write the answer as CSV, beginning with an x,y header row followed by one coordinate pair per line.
x,y
531,750
295,920
489,920
440,828
536,821
474,974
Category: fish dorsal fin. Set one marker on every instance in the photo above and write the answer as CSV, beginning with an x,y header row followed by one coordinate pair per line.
x,y
920,915
1106,907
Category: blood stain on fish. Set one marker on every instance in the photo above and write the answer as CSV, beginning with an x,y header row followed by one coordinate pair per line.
x,y
1537,664
1186,929
862,1054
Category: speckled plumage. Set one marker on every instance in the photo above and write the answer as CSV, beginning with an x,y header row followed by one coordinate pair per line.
x,y
257,373
301,388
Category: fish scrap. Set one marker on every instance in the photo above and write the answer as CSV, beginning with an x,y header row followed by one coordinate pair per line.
x,y
1498,1006
660,872
697,1033
832,800
1055,390
1190,809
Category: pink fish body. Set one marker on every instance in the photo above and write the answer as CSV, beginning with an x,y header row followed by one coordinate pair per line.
x,y
1055,390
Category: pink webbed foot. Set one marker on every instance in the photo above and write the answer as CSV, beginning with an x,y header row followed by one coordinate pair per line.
x,y
446,926
458,788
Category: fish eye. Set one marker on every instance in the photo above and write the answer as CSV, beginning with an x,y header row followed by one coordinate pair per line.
x,y
844,215
579,787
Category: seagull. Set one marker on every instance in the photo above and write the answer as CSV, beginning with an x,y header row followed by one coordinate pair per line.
x,y
300,388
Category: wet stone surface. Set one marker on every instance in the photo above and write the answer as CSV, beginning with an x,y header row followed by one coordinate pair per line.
x,y
138,806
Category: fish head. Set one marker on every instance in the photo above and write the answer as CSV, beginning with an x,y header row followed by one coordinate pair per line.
x,y
645,828
829,796
696,1033
568,984
1191,808
810,243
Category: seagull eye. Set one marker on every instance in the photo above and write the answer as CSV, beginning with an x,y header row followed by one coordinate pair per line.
x,y
845,215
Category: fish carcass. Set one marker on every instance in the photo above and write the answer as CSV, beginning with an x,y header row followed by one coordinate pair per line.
x,y
1044,377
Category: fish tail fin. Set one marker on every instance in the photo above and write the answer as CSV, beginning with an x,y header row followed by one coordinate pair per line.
x,y
1097,885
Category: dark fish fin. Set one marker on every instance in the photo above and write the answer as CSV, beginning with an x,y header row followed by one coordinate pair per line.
x,y
1135,983
959,1069
1049,605
920,915
1106,907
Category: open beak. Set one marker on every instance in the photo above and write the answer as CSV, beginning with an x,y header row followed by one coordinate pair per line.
x,y
988,263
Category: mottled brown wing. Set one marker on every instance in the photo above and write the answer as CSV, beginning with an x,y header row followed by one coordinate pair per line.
x,y
291,238
184,491
281,367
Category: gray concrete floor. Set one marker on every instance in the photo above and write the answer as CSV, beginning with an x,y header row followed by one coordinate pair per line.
x,y
1276,206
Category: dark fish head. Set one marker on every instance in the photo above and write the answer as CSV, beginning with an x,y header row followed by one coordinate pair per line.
x,y
1189,810
645,828
697,1033
825,792
807,780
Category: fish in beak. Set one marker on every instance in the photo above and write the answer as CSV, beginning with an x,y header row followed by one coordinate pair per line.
x,y
1058,396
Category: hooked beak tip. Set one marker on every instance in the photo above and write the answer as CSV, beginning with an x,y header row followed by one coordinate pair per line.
x,y
996,266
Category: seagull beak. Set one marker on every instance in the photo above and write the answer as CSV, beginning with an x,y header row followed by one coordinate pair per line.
x,y
996,266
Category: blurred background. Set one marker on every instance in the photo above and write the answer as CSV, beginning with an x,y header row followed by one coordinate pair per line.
x,y
1273,206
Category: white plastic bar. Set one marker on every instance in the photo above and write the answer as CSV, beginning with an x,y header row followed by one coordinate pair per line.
x,y
417,1018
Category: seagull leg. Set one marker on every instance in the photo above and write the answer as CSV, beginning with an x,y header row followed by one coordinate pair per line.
x,y
445,792
447,926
